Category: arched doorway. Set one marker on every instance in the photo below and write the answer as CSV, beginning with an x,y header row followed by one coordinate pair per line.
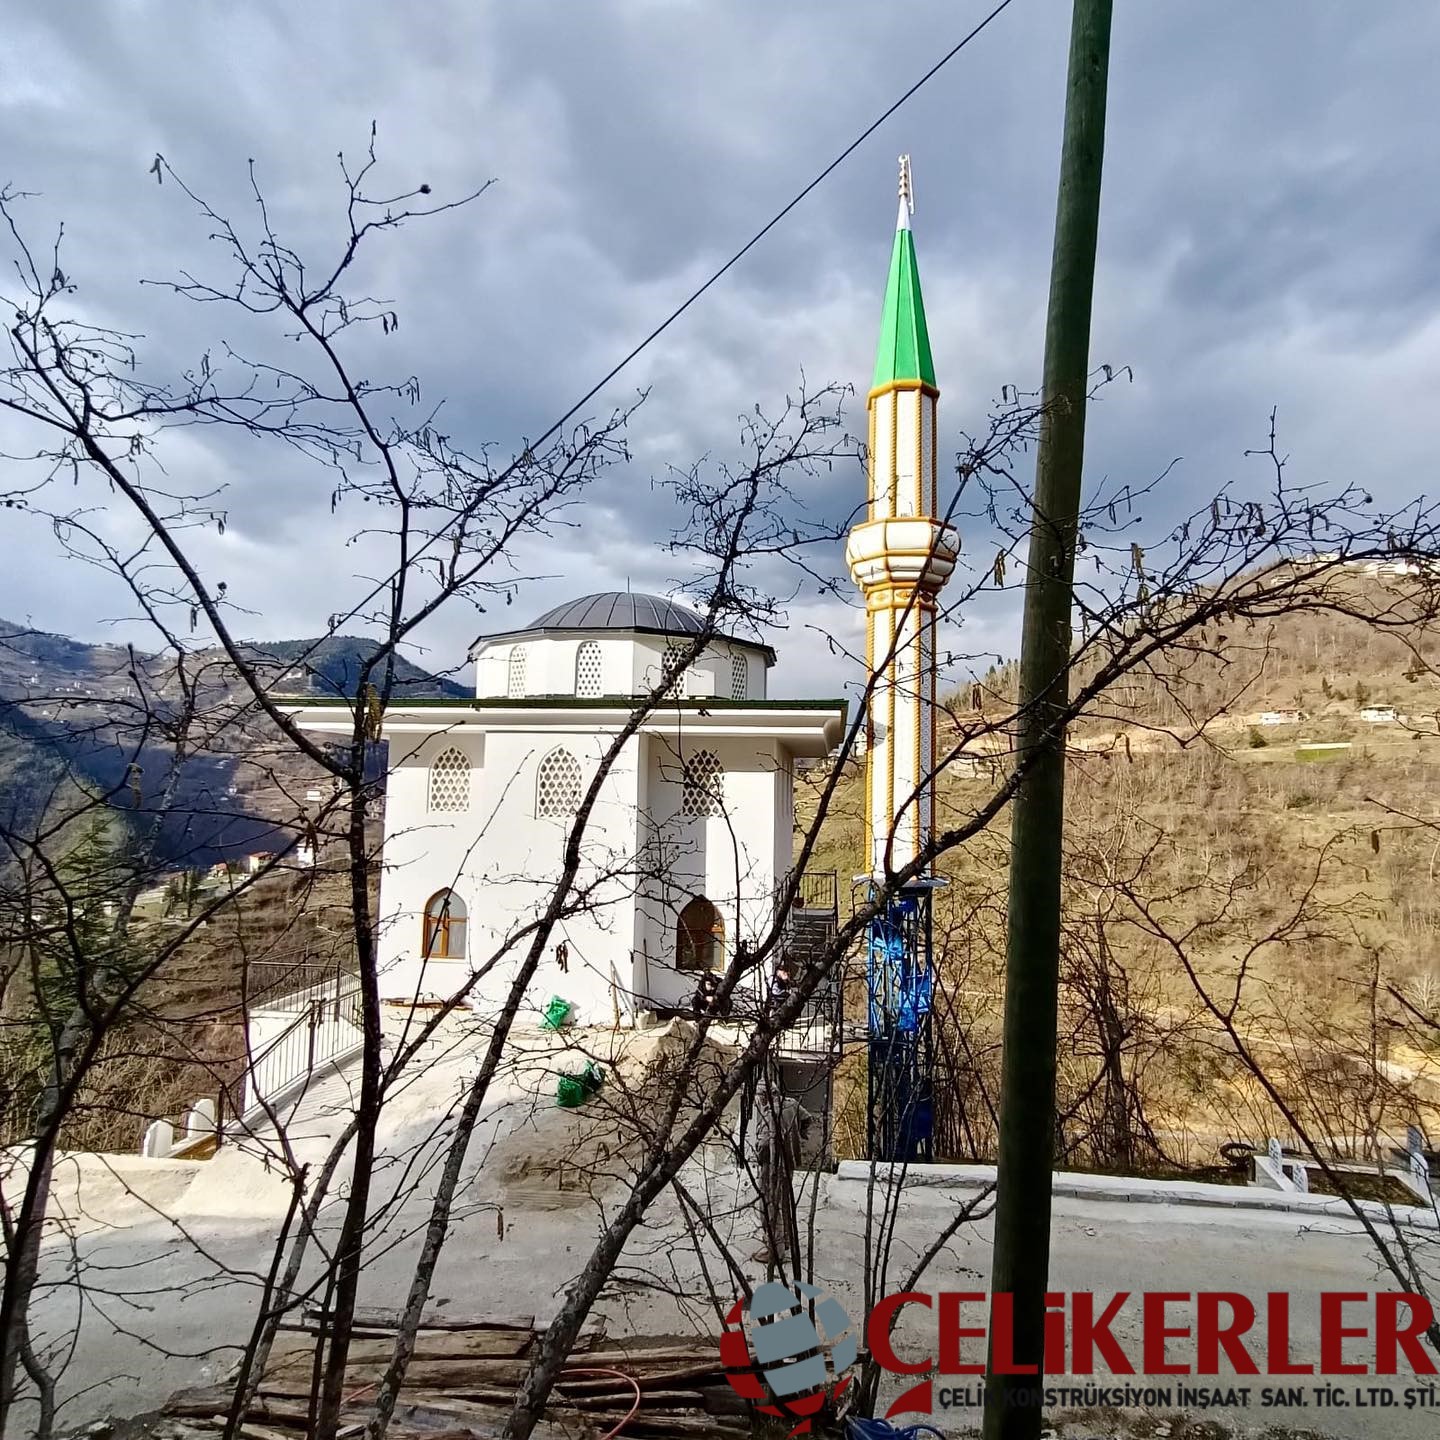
x,y
700,937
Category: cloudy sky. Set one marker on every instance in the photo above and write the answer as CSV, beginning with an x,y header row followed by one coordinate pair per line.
x,y
1270,235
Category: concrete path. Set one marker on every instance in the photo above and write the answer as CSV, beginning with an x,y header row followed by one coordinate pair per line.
x,y
171,1286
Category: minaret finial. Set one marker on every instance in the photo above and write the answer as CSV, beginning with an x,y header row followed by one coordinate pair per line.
x,y
907,195
907,188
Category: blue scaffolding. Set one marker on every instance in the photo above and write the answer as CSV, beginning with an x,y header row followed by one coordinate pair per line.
x,y
900,984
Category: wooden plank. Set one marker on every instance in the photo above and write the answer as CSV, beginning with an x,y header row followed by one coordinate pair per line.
x,y
686,1377
701,1427
431,1345
430,1417
292,1376
639,1355
427,1410
215,1400
659,1400
379,1317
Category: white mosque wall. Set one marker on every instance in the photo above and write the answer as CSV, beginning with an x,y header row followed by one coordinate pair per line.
x,y
734,858
629,665
502,859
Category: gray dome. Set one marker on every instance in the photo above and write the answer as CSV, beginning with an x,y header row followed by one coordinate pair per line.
x,y
621,610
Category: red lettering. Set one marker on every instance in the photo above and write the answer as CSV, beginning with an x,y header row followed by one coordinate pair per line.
x,y
1089,1334
1389,1335
1334,1332
1002,1338
877,1334
1156,1332
952,1332
1211,1337
1054,1333
1277,1323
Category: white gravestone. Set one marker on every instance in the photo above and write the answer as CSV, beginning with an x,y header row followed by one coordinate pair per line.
x,y
200,1119
159,1140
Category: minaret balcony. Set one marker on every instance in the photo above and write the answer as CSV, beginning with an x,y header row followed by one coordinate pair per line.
x,y
909,551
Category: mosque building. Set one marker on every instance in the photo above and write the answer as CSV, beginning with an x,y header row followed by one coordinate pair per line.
x,y
686,850
691,841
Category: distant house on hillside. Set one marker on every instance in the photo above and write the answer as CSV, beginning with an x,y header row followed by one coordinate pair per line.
x,y
1378,714
1398,566
1373,566
1280,717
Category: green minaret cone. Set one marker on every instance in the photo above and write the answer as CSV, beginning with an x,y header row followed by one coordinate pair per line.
x,y
904,351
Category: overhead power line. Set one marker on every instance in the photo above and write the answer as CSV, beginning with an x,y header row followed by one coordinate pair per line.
x,y
734,260
770,224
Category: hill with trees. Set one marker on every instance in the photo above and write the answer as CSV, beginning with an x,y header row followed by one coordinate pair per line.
x,y
1252,845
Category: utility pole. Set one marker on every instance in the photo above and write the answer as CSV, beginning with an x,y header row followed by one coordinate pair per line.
x,y
1021,1260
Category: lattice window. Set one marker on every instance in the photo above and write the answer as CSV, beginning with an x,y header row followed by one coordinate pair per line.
x,y
739,678
444,933
557,786
672,668
587,670
450,782
703,791
516,683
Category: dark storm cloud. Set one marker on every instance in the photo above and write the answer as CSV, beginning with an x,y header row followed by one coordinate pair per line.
x,y
1268,237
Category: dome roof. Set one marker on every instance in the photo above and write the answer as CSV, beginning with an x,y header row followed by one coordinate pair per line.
x,y
621,610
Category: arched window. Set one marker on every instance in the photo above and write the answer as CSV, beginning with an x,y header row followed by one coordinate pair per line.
x,y
444,936
704,785
557,786
587,669
516,684
700,937
739,678
450,782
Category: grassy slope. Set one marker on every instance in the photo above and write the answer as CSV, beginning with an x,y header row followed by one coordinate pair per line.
x,y
1228,834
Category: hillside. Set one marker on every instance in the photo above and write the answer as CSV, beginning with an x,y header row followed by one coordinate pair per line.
x,y
1265,811
74,715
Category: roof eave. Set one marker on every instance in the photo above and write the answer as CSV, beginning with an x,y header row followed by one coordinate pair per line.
x,y
482,642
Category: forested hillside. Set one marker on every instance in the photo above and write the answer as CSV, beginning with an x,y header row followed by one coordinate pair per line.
x,y
1257,826
102,718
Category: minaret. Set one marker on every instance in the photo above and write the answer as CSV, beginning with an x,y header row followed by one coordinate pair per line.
x,y
900,556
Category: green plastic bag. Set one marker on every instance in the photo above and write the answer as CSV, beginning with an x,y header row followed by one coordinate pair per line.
x,y
557,1012
574,1090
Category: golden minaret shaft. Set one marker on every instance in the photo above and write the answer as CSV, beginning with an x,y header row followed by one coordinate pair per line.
x,y
900,557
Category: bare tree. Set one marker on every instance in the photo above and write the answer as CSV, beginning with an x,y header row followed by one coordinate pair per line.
x,y
451,523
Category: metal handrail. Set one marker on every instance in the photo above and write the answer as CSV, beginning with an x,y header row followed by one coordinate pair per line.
x,y
288,984
306,1041
818,890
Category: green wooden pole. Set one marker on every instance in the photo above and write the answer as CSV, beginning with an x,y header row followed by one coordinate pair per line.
x,y
1021,1261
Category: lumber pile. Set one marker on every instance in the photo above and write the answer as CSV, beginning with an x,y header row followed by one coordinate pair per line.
x,y
463,1377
